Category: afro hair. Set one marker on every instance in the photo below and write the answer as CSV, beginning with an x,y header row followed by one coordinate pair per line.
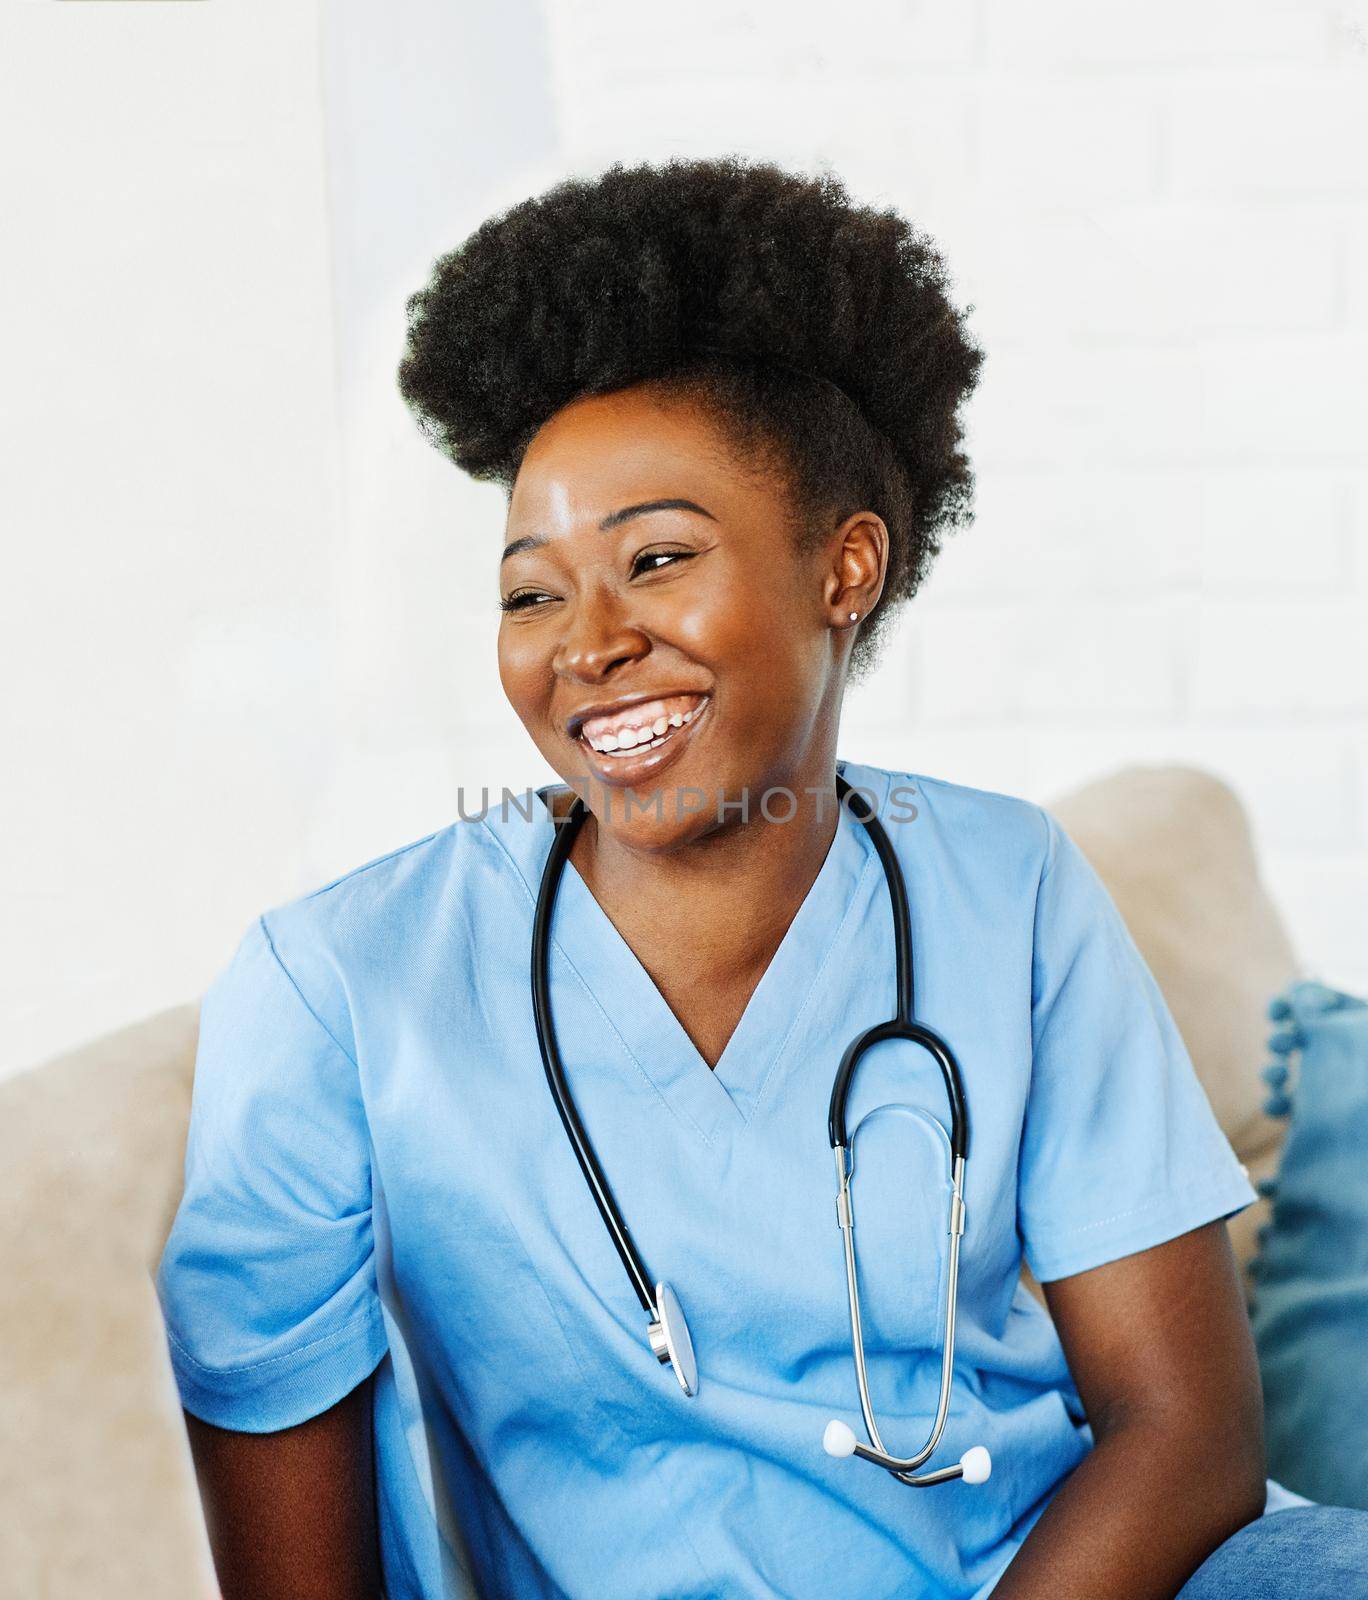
x,y
819,331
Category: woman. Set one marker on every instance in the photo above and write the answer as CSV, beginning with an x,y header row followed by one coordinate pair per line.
x,y
724,401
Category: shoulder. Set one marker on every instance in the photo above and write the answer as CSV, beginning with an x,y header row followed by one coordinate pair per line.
x,y
983,832
373,895
369,930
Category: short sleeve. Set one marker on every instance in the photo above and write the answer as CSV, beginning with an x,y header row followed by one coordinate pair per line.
x,y
1120,1147
267,1282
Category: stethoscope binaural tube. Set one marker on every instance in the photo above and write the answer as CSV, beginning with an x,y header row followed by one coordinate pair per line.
x,y
975,1464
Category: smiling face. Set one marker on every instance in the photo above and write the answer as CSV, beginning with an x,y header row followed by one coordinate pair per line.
x,y
663,632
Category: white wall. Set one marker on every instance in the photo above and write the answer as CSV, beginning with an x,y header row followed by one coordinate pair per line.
x,y
222,684
1160,212
435,115
169,495
247,617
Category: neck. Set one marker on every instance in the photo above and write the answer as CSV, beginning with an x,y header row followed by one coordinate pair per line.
x,y
713,910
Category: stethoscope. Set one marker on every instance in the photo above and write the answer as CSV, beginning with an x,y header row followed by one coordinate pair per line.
x,y
667,1331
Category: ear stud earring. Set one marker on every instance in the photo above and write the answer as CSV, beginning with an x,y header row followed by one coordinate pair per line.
x,y
854,616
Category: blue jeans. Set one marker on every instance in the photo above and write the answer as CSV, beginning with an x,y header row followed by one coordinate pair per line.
x,y
1304,1553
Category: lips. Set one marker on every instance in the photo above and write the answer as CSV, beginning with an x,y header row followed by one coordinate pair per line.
x,y
631,743
641,725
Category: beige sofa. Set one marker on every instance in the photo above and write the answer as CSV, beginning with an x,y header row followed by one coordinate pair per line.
x,y
96,1491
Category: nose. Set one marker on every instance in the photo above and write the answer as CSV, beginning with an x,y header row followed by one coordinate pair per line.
x,y
598,639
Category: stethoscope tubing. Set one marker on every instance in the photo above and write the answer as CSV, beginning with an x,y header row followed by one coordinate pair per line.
x,y
566,831
903,1025
668,1332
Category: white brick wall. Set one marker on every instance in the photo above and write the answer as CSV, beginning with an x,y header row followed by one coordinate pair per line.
x,y
1160,213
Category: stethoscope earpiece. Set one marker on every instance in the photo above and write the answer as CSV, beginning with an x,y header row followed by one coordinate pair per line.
x,y
975,1465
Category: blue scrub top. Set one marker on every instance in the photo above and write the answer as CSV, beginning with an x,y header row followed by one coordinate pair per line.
x,y
377,1179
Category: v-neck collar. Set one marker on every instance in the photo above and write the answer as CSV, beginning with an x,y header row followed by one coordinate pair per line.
x,y
724,1098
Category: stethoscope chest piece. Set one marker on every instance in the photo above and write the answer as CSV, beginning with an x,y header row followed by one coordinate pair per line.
x,y
669,1335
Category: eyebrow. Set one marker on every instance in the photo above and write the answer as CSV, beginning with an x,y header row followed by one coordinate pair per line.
x,y
612,520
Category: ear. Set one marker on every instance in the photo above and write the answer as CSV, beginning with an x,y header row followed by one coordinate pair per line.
x,y
855,578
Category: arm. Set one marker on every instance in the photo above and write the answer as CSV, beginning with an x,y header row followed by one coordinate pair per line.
x,y
1159,1347
291,1515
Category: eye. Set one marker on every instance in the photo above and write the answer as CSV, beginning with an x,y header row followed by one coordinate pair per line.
x,y
523,600
662,556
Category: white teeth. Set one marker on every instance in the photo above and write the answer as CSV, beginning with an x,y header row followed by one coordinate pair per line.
x,y
629,739
646,738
